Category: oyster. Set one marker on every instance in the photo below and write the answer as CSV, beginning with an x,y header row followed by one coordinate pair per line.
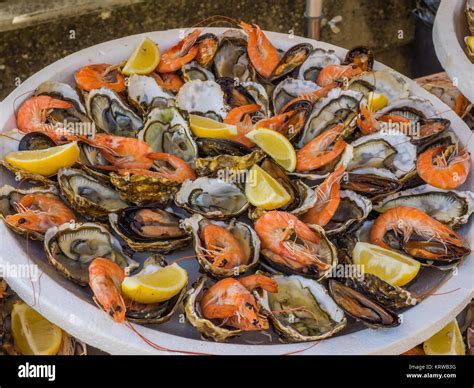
x,y
317,60
352,210
388,295
302,309
387,82
244,234
211,197
204,98
166,130
291,60
110,113
154,313
192,310
209,147
145,93
362,307
92,198
289,89
413,108
339,106
35,141
452,207
259,94
193,70
60,91
235,94
232,164
148,228
70,248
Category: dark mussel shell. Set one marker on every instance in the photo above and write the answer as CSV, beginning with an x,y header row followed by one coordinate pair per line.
x,y
35,141
370,185
361,307
291,60
235,94
361,56
207,45
301,112
429,129
210,147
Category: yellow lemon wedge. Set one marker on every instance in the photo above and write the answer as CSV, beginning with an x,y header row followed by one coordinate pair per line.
x,y
206,127
144,59
158,285
45,162
33,334
470,43
446,342
391,266
276,145
376,101
263,191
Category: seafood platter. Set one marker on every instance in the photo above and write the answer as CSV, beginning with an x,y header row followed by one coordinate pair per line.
x,y
250,193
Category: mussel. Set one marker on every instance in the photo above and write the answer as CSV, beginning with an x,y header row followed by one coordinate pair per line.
x,y
291,60
361,56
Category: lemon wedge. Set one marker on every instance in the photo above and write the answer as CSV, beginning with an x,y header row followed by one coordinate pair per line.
x,y
391,266
263,191
158,285
446,342
144,59
33,334
206,127
276,145
45,162
376,101
470,43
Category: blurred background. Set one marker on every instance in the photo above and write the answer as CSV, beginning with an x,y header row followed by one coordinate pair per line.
x,y
35,33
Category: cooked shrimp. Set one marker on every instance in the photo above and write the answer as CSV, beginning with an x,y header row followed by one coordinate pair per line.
x,y
231,300
240,117
368,124
289,242
173,169
337,73
311,96
419,235
39,212
221,247
288,123
169,81
444,167
105,280
178,55
263,55
322,150
100,76
328,194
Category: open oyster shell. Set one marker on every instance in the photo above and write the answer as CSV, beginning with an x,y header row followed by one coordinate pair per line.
x,y
210,166
71,248
145,94
212,197
130,225
89,196
302,309
243,232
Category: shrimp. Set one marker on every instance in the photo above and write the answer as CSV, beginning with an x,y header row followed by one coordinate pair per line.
x,y
288,242
240,117
418,234
231,300
100,76
221,247
263,55
288,123
312,97
444,167
322,150
39,212
105,280
328,199
36,115
337,73
178,55
169,81
368,124
173,169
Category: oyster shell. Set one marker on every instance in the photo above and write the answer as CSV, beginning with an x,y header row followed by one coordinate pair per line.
x,y
35,141
155,313
211,166
317,60
211,197
145,93
452,207
60,91
234,94
362,307
192,71
209,147
148,228
89,196
387,82
204,98
110,113
302,309
259,94
71,247
413,108
244,234
289,89
166,130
